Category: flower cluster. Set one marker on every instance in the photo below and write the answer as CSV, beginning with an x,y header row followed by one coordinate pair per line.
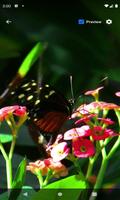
x,y
15,110
88,138
14,116
84,137
44,166
7,113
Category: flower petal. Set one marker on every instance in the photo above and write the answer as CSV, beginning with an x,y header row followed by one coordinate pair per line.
x,y
76,132
83,148
60,151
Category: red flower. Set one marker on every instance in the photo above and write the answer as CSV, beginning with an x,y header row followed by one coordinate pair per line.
x,y
60,151
16,110
76,132
98,133
20,111
83,148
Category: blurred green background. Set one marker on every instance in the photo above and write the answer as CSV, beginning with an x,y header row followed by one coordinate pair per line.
x,y
87,52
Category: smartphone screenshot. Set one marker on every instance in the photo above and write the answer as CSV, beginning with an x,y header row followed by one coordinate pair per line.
x,y
59,100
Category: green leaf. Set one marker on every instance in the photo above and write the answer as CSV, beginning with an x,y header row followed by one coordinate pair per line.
x,y
69,187
20,175
69,182
4,138
18,180
30,59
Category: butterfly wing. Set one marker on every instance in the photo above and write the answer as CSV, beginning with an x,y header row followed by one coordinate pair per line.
x,y
47,109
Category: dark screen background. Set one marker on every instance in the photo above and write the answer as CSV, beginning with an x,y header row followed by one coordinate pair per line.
x,y
87,52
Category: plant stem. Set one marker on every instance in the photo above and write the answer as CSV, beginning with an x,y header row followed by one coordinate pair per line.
x,y
40,179
8,160
48,177
100,177
114,148
103,150
9,173
91,164
101,174
12,147
90,167
8,167
9,163
3,151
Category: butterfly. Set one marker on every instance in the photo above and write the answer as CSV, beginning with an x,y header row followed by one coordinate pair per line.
x,y
47,108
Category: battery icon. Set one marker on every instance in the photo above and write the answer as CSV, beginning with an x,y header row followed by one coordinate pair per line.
x,y
81,21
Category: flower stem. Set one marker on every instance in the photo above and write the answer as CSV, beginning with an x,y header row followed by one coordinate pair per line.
x,y
91,164
48,177
40,179
12,147
101,174
8,160
114,148
100,177
9,173
8,166
103,149
90,167
3,151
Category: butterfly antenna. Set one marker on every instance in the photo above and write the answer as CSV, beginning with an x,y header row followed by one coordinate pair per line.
x,y
72,93
40,74
104,81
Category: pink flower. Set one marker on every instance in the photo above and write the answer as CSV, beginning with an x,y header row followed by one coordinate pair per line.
x,y
49,147
98,133
91,107
93,92
117,94
81,110
57,168
16,110
76,132
37,166
83,148
60,151
106,121
85,110
43,166
101,105
110,106
85,119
